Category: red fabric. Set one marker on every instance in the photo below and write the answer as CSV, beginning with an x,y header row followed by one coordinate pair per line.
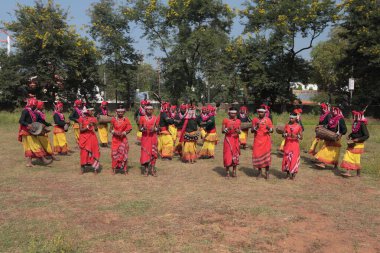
x,y
120,146
291,159
231,145
78,102
88,142
149,151
261,153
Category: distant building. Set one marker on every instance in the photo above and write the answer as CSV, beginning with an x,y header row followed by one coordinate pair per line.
x,y
304,92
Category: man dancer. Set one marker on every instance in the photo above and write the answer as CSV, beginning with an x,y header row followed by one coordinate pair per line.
x,y
329,153
148,125
211,138
120,128
189,136
244,118
358,135
323,121
103,127
59,137
165,140
231,145
292,135
262,127
31,144
138,114
74,117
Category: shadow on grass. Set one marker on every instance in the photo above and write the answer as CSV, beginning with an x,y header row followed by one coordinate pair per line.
x,y
220,170
250,172
89,168
278,173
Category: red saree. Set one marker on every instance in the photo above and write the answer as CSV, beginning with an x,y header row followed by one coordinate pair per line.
x,y
149,151
291,159
120,146
261,153
88,143
231,145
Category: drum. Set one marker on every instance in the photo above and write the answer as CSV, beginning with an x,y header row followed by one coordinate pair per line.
x,y
280,129
36,128
104,119
325,134
66,127
191,136
246,125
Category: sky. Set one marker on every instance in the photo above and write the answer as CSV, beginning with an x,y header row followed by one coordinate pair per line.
x,y
78,9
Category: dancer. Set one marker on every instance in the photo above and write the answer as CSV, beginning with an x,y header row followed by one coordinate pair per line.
x,y
31,144
292,134
172,127
201,119
138,114
75,115
244,118
88,143
355,148
120,128
262,127
148,125
165,139
210,138
324,118
329,153
60,128
103,127
189,136
231,145
44,137
178,121
298,112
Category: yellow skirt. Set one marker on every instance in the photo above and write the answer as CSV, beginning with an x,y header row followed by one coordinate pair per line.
x,y
203,132
138,135
76,131
282,145
243,137
351,159
32,146
103,133
45,143
329,153
165,145
189,151
208,148
173,132
60,143
316,145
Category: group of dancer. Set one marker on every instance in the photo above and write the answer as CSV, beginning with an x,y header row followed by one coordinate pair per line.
x,y
176,132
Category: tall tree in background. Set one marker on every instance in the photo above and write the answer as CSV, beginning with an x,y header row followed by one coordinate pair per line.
x,y
284,21
326,58
111,29
362,58
191,34
49,48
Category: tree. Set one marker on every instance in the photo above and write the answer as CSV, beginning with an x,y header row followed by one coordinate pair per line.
x,y
49,48
191,34
362,56
111,29
284,21
9,79
326,57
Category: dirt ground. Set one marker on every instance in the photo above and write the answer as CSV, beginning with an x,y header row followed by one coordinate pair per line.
x,y
187,208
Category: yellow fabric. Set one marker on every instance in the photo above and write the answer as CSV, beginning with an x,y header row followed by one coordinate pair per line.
x,y
329,153
60,143
208,148
139,135
282,145
165,145
243,137
32,146
76,131
316,145
189,150
103,133
173,132
203,132
45,143
351,159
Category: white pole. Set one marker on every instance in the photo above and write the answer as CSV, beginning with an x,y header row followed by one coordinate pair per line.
x,y
8,45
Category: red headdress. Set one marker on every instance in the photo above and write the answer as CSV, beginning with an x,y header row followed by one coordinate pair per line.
x,y
31,102
78,102
104,103
40,105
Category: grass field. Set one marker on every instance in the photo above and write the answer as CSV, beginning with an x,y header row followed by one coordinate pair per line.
x,y
187,208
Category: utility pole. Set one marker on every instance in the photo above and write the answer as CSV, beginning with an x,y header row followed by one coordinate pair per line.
x,y
159,75
7,40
